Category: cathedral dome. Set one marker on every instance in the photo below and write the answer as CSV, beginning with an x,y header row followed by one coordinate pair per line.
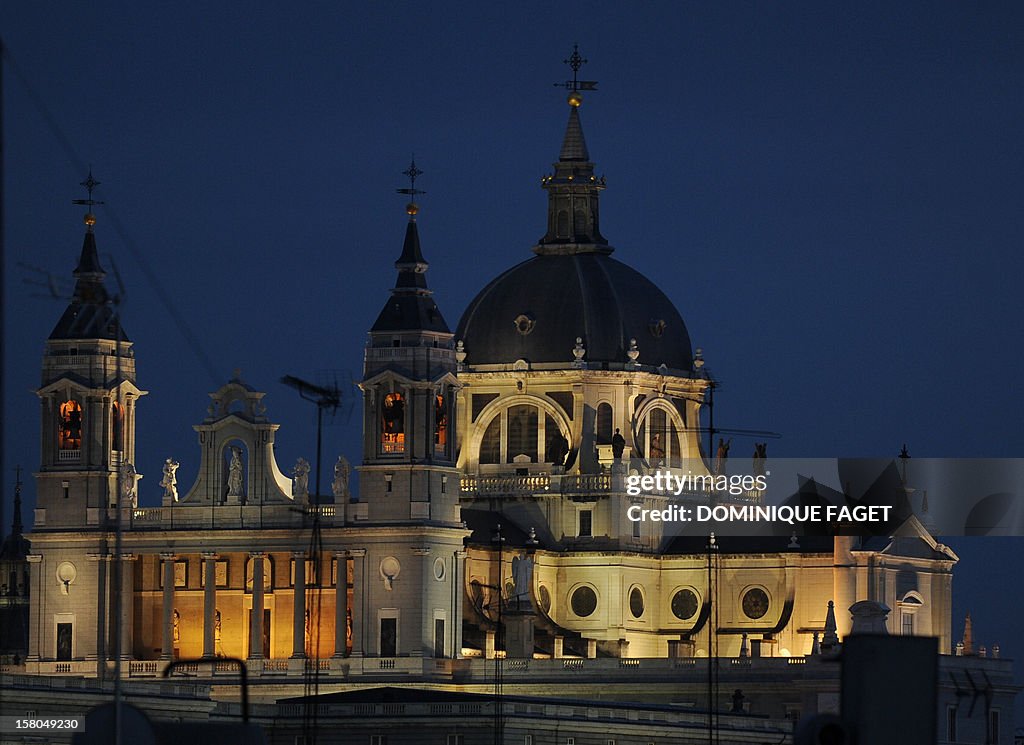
x,y
573,289
537,309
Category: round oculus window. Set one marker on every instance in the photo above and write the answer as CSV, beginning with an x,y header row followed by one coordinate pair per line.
x,y
684,604
584,601
636,602
755,603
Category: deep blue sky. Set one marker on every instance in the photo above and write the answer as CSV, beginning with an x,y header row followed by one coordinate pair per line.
x,y
830,194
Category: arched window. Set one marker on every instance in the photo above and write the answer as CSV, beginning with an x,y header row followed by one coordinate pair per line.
x,y
392,424
580,223
660,439
268,574
490,446
604,424
522,434
70,425
562,230
440,424
116,427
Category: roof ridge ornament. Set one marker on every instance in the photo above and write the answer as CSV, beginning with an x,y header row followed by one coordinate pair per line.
x,y
573,188
574,86
90,183
412,172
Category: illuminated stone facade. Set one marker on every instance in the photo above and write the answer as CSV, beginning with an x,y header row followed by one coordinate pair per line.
x,y
566,374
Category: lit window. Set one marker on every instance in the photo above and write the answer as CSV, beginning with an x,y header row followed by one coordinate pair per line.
x,y
392,425
440,424
70,425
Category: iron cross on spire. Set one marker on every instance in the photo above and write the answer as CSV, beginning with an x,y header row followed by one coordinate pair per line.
x,y
90,183
413,173
575,61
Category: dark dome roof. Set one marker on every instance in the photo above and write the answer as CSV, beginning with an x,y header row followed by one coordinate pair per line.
x,y
583,294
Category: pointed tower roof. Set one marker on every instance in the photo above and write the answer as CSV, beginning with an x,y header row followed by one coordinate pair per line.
x,y
830,638
90,315
574,146
968,641
16,546
411,306
573,194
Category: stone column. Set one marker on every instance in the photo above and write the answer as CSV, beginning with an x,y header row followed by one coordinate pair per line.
x,y
167,650
425,647
209,602
358,601
460,559
34,611
127,591
299,606
340,602
256,632
102,611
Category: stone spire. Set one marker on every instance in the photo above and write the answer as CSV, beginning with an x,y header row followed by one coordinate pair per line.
x,y
830,640
90,314
574,146
573,188
15,546
411,307
968,641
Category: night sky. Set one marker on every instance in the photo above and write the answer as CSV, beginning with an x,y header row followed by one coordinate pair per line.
x,y
830,195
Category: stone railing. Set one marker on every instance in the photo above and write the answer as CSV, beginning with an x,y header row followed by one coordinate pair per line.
x,y
498,485
587,484
231,517
143,668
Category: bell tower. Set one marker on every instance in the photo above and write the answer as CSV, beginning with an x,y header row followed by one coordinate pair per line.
x,y
87,401
412,524
408,386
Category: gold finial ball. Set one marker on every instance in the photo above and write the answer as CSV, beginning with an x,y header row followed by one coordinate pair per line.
x,y
90,219
575,99
412,208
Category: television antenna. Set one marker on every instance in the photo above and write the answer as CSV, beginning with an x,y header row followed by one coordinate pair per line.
x,y
325,398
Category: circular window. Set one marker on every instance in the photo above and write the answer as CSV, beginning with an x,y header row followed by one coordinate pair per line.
x,y
684,604
755,603
439,569
545,599
636,602
584,601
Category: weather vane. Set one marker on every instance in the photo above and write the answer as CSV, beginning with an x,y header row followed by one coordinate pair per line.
x,y
90,183
575,61
413,173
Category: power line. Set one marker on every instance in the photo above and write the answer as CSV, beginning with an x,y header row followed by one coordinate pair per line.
x,y
81,166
